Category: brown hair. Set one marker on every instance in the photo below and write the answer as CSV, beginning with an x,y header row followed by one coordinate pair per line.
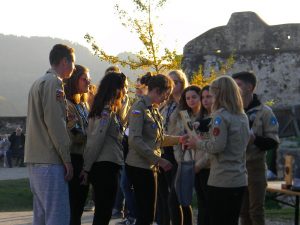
x,y
60,51
71,85
182,102
161,82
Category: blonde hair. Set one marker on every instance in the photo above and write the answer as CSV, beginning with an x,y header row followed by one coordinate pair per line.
x,y
112,69
226,95
181,76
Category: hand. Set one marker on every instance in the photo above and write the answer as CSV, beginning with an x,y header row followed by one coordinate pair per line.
x,y
165,164
83,177
191,143
68,171
183,139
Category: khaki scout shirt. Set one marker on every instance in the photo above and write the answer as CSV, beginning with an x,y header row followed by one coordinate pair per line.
x,y
74,119
264,124
146,135
47,139
229,136
104,140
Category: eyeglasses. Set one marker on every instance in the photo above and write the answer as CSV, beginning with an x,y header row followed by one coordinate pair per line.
x,y
88,80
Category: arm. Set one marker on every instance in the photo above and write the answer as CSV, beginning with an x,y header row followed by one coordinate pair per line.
x,y
54,107
218,136
136,124
269,139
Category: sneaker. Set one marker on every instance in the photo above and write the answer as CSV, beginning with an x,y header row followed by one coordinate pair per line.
x,y
127,221
116,214
90,206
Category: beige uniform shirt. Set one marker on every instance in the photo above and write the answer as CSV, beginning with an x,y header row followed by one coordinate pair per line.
x,y
264,124
229,136
75,121
47,139
146,135
104,140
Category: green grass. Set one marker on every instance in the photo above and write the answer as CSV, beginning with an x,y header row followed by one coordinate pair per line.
x,y
15,195
282,214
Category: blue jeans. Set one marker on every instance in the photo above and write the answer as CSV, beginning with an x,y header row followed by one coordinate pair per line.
x,y
128,193
50,194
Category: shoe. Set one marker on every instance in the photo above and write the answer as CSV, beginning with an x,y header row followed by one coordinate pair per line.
x,y
90,206
116,214
127,221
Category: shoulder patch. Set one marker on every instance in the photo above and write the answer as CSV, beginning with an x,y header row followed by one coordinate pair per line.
x,y
273,121
216,131
60,95
217,121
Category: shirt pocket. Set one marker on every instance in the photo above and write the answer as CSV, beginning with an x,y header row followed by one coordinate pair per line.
x,y
151,127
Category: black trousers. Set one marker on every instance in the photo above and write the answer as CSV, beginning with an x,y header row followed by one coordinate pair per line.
x,y
144,183
224,205
201,187
168,205
77,192
104,177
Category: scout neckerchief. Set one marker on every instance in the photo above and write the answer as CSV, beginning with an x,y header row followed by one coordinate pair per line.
x,y
170,110
83,113
121,127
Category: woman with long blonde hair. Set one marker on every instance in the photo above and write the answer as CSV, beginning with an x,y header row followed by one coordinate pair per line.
x,y
229,136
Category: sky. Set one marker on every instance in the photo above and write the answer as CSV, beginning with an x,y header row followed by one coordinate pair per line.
x,y
179,21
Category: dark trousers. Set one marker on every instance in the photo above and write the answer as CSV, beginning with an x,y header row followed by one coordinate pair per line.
x,y
15,153
144,183
224,205
201,179
77,192
104,177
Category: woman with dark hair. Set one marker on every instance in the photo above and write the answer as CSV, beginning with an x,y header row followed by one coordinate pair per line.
x,y
103,156
189,101
201,157
76,89
145,139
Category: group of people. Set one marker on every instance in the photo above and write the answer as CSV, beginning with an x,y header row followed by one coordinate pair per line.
x,y
12,147
77,136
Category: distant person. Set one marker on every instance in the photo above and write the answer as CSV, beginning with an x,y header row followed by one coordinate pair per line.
x,y
16,149
264,137
76,89
47,152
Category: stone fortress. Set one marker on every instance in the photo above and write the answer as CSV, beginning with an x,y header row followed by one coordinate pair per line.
x,y
271,52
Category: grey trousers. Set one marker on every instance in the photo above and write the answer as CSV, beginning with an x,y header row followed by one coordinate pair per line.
x,y
50,194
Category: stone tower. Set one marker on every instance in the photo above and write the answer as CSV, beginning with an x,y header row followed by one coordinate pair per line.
x,y
271,52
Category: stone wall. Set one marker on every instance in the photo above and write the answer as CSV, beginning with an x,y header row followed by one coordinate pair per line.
x,y
271,52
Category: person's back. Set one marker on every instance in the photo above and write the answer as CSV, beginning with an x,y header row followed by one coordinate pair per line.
x,y
41,144
228,167
47,141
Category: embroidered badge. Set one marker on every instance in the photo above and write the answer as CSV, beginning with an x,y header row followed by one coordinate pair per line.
x,y
154,126
217,121
59,95
216,131
104,114
273,121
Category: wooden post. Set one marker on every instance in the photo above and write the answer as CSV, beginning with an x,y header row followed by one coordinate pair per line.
x,y
288,172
